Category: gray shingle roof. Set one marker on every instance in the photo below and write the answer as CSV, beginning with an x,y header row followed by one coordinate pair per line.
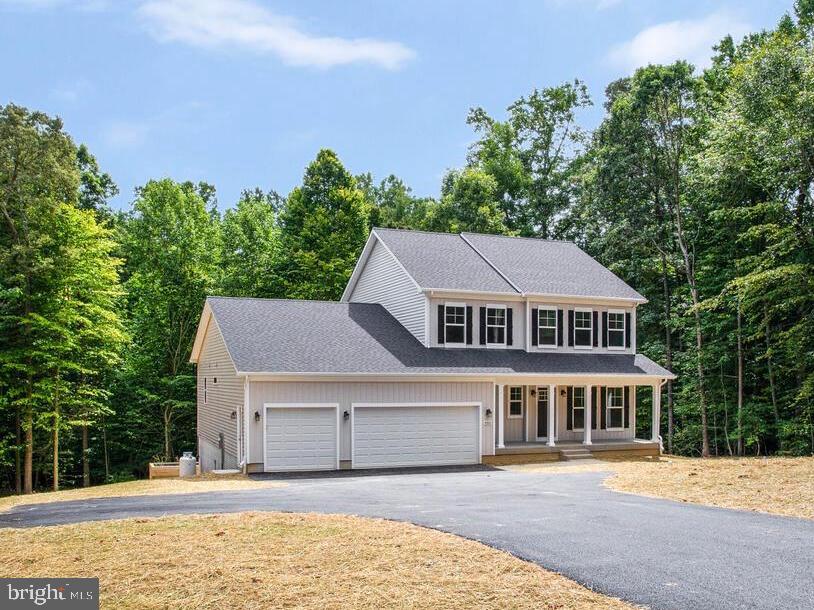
x,y
542,266
288,336
442,260
493,263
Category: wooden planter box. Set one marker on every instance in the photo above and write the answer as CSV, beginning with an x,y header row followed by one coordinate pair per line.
x,y
167,470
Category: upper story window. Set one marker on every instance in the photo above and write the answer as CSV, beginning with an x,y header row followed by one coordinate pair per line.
x,y
516,401
583,328
455,324
616,329
616,408
496,325
547,326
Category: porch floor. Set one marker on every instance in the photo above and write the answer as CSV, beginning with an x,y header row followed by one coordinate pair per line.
x,y
612,446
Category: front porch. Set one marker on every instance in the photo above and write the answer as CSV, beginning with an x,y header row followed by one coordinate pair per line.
x,y
532,452
556,421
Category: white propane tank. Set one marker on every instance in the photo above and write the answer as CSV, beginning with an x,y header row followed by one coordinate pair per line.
x,y
186,465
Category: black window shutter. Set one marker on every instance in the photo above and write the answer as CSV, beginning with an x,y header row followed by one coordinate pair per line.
x,y
441,324
560,329
596,329
570,328
627,329
594,408
604,329
482,325
509,327
570,403
469,325
534,326
603,397
627,407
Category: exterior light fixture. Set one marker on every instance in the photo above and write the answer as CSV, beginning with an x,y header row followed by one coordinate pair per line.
x,y
346,415
257,416
488,412
533,392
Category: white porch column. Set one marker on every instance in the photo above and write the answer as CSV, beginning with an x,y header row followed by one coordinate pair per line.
x,y
656,413
589,407
552,406
500,444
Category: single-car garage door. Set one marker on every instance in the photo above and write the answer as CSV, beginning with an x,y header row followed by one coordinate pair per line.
x,y
301,437
415,435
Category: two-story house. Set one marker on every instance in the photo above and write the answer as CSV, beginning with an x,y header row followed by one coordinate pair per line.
x,y
444,349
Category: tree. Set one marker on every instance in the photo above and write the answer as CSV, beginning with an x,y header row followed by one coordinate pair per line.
x,y
171,251
468,203
251,247
324,225
392,204
37,174
531,155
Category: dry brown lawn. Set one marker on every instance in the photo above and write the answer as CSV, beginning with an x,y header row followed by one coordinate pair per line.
x,y
276,560
143,487
784,486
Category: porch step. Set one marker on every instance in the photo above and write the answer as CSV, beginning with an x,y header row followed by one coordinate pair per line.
x,y
576,453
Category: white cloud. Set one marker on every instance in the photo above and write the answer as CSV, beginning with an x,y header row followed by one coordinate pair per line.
x,y
690,39
125,134
245,25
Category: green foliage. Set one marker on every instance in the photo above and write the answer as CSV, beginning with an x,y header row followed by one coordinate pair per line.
x,y
324,226
469,202
532,155
251,247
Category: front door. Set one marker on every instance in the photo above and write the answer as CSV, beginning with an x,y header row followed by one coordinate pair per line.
x,y
542,412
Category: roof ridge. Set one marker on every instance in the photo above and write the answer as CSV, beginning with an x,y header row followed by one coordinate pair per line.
x,y
525,237
282,300
491,264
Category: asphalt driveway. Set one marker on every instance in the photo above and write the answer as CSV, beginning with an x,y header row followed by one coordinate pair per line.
x,y
654,552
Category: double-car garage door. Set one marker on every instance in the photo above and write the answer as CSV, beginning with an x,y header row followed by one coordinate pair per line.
x,y
306,437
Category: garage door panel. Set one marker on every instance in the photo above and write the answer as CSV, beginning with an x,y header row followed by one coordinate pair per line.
x,y
415,436
301,438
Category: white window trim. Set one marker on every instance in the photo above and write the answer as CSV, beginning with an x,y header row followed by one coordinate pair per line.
x,y
509,402
590,329
624,329
505,325
556,327
451,343
608,408
574,408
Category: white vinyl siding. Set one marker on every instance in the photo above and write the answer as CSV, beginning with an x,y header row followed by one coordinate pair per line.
x,y
384,281
346,393
222,399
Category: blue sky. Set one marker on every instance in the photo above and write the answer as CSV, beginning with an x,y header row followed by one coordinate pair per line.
x,y
243,93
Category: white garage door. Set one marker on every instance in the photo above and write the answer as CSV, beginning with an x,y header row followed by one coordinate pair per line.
x,y
301,438
386,436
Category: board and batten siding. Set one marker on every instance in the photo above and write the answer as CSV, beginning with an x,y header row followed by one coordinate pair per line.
x,y
223,398
385,282
346,392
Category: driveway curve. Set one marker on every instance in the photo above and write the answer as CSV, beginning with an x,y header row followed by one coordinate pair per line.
x,y
653,552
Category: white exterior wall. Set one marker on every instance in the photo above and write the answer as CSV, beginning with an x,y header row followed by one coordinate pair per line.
x,y
596,433
521,320
345,393
222,399
518,321
384,281
566,330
